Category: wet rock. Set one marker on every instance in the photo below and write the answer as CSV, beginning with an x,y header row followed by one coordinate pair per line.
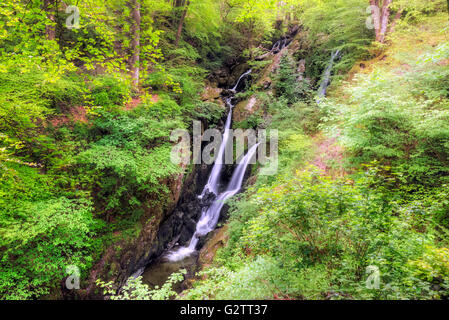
x,y
211,94
220,77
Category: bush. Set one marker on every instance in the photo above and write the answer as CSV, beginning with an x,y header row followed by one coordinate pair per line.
x,y
128,159
209,111
309,236
39,241
402,123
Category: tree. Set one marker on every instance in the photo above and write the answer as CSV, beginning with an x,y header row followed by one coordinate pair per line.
x,y
50,8
135,42
381,10
181,22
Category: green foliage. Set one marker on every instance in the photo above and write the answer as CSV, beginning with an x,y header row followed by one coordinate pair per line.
x,y
179,88
303,235
287,84
253,281
433,267
130,159
109,90
414,10
401,121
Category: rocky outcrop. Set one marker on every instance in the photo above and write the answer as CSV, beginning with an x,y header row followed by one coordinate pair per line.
x,y
213,94
245,108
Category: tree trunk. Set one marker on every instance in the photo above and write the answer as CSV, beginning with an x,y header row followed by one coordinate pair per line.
x,y
375,13
181,23
381,18
135,42
395,20
50,29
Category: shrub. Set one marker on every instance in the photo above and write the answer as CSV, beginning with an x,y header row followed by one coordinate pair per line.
x,y
129,160
390,123
39,241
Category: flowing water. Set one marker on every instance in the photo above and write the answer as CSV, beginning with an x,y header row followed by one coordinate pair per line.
x,y
214,177
238,81
185,257
211,214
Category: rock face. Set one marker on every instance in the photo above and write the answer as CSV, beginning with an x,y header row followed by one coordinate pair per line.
x,y
213,94
125,256
162,227
227,77
245,108
216,240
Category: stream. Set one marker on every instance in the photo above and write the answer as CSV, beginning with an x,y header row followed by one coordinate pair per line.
x,y
212,198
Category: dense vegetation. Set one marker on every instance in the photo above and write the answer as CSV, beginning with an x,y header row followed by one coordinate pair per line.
x,y
86,112
377,206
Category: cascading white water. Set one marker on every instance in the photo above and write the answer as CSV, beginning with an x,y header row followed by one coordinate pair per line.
x,y
210,215
214,177
240,79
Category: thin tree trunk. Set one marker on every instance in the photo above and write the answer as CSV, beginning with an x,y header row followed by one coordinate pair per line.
x,y
381,18
395,21
135,42
181,23
50,30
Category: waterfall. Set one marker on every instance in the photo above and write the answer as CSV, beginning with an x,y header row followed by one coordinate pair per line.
x,y
326,78
214,177
210,215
